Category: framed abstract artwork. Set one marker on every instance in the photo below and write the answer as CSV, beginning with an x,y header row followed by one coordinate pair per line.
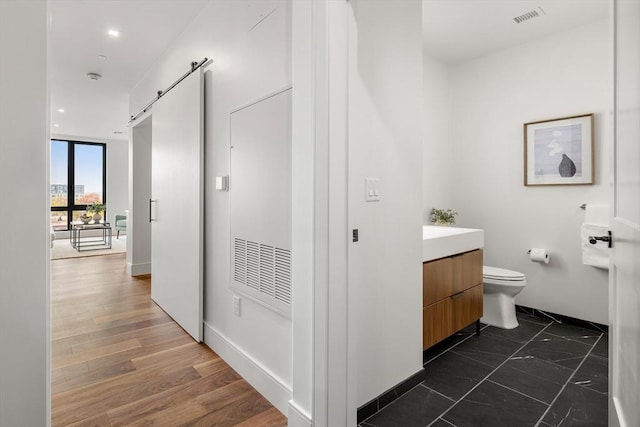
x,y
559,151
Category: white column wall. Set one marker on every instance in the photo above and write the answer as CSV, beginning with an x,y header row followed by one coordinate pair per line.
x,y
138,224
24,236
117,180
301,410
385,142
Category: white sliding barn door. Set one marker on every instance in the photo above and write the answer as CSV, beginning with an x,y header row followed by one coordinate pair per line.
x,y
176,208
624,276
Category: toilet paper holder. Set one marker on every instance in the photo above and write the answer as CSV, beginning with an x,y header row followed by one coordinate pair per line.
x,y
594,239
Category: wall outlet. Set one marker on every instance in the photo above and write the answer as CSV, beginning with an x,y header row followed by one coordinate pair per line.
x,y
236,305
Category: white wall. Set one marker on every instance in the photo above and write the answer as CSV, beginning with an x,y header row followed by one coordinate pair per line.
x,y
138,224
117,179
251,57
561,75
385,142
117,172
437,153
24,250
319,217
302,219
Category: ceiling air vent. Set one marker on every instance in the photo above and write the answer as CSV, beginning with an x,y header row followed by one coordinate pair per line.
x,y
529,15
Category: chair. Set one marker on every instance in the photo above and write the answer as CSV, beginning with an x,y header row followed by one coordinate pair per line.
x,y
121,224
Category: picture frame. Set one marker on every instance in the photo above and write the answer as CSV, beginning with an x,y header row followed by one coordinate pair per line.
x,y
559,151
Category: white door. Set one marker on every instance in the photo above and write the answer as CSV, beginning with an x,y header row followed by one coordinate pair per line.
x,y
176,206
624,276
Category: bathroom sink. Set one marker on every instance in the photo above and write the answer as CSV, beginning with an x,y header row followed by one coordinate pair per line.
x,y
439,241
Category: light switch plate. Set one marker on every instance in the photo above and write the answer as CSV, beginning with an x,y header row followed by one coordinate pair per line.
x,y
372,189
222,183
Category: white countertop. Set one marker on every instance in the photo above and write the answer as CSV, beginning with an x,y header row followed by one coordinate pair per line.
x,y
441,241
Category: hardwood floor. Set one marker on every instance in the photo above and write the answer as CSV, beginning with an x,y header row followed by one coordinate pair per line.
x,y
119,360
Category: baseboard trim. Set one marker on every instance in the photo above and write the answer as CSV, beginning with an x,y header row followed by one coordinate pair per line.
x,y
139,269
561,318
267,384
298,417
376,404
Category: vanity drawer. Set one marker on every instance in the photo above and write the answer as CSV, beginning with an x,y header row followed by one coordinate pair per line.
x,y
436,322
437,280
466,307
467,270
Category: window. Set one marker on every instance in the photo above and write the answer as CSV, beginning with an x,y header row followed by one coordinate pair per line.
x,y
78,178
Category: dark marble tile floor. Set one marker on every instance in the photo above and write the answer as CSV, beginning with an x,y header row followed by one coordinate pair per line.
x,y
543,373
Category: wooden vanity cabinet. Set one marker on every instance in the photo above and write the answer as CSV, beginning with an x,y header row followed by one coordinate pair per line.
x,y
451,295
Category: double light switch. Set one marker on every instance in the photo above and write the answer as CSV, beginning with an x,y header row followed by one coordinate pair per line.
x,y
372,189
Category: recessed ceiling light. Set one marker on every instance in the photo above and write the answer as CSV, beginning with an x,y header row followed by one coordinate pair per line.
x,y
60,110
113,33
55,125
103,57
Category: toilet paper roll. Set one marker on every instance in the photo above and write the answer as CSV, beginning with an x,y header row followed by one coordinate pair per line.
x,y
539,255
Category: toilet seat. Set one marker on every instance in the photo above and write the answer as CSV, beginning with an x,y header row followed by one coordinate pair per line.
x,y
501,274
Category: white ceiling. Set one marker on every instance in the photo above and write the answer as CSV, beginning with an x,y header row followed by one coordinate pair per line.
x,y
455,31
78,34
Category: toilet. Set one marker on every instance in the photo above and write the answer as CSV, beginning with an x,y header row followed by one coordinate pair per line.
x,y
500,286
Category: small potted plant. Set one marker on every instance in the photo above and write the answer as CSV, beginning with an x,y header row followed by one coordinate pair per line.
x,y
96,208
443,216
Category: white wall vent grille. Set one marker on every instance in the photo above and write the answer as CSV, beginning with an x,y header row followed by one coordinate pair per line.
x,y
260,202
263,268
529,15
240,261
253,265
283,275
267,270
